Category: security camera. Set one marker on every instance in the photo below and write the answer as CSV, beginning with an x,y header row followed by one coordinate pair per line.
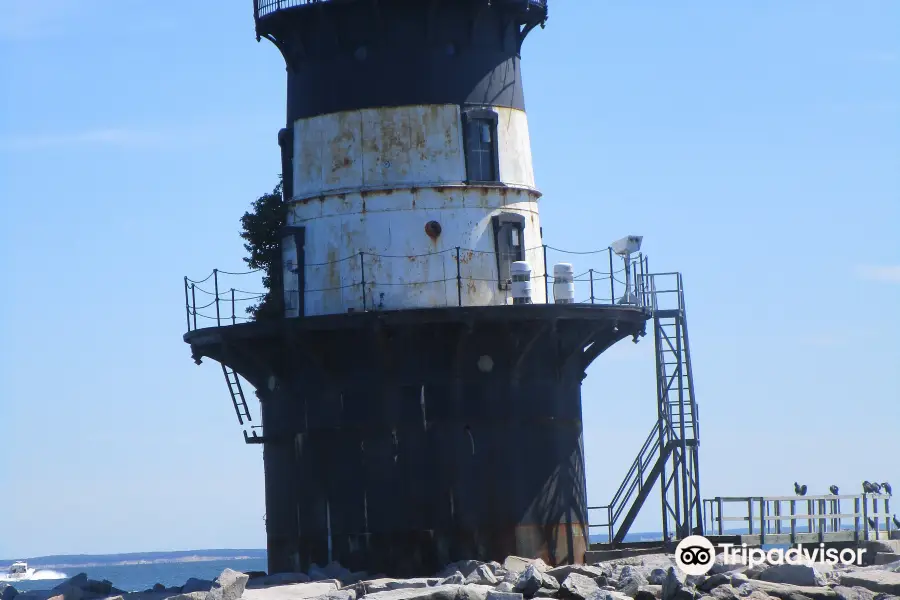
x,y
627,245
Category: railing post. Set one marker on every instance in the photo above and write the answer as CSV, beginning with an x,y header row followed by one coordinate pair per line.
x,y
719,501
362,276
793,522
591,271
233,317
778,514
821,512
546,278
194,303
216,288
187,305
762,521
856,519
750,515
612,279
458,280
865,511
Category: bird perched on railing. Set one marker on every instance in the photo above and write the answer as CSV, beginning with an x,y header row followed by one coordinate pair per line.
x,y
887,488
896,522
872,523
867,487
834,490
876,487
800,490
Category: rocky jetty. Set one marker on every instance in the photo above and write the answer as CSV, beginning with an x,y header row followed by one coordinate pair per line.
x,y
648,577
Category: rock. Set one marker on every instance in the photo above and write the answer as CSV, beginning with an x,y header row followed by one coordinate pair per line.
x,y
656,576
196,585
439,592
506,586
7,592
386,584
342,594
530,581
78,581
519,564
496,568
710,583
455,579
784,590
793,575
463,566
630,581
595,573
294,591
578,586
482,575
276,579
498,595
853,593
189,596
671,585
610,595
886,582
645,593
512,577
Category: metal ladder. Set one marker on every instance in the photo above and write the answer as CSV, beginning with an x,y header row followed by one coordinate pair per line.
x,y
237,395
669,452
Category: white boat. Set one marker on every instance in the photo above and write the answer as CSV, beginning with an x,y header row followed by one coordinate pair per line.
x,y
18,570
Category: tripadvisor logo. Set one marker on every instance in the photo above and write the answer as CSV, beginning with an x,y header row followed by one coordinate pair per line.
x,y
695,555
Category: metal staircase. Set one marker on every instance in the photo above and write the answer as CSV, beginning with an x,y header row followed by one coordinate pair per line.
x,y
669,454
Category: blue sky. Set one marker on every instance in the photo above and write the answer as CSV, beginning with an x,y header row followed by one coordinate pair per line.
x,y
754,145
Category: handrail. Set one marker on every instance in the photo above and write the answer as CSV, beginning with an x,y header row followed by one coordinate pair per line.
x,y
217,300
264,8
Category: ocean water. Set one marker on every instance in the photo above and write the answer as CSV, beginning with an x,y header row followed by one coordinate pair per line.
x,y
137,577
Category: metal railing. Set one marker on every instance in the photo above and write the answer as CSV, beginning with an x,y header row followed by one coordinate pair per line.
x,y
219,299
263,8
820,518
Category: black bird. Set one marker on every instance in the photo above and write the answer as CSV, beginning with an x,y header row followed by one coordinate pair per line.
x,y
896,522
876,487
800,490
867,487
834,490
872,523
887,488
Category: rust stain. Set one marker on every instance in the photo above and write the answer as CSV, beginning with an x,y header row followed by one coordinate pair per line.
x,y
433,230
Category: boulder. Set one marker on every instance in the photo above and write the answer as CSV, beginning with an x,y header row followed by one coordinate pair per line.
x,y
438,592
78,581
506,586
785,590
530,581
188,596
656,576
456,579
886,582
463,566
276,579
710,583
598,574
482,575
630,581
519,564
229,585
342,594
671,586
793,575
7,592
196,585
578,586
610,595
647,592
853,593
385,584
499,595
295,591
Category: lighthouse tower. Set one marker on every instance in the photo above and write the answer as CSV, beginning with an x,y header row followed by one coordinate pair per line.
x,y
421,402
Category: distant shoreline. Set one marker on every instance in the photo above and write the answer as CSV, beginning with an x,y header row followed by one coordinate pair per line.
x,y
69,561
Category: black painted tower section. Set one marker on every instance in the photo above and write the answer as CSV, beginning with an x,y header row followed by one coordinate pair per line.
x,y
397,442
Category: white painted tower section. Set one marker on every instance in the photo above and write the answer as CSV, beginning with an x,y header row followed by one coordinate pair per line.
x,y
377,180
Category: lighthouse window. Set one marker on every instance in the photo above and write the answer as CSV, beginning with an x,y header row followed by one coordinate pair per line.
x,y
508,241
480,135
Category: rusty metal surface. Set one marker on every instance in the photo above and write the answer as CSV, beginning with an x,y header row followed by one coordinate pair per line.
x,y
394,446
